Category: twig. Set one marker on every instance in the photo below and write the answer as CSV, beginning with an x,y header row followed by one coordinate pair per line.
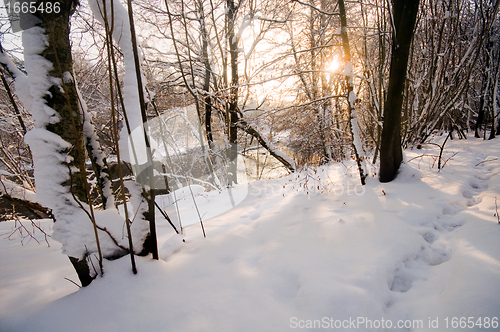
x,y
423,155
29,234
94,223
484,161
449,159
496,210
317,9
165,215
441,151
435,158
73,282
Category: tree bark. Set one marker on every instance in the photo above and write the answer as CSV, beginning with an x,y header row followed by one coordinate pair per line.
x,y
391,154
233,97
206,79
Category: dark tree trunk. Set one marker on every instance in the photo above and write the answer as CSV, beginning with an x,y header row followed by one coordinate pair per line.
x,y
481,114
206,81
11,96
82,270
233,98
391,154
492,132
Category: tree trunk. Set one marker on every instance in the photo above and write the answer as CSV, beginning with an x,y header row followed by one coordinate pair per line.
x,y
233,97
206,79
151,245
496,110
351,96
66,120
482,105
58,145
391,154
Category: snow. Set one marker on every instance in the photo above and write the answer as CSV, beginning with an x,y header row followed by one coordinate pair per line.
x,y
352,98
47,156
37,67
21,82
278,152
122,36
417,251
14,190
185,205
348,73
74,228
50,151
89,133
356,137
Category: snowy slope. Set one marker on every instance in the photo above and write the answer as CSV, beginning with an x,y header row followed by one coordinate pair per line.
x,y
417,252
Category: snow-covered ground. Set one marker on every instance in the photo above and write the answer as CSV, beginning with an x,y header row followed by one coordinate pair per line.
x,y
421,253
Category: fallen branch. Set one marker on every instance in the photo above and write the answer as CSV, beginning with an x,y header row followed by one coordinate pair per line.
x,y
35,208
280,156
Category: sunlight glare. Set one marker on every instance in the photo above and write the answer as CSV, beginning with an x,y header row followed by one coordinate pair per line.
x,y
334,66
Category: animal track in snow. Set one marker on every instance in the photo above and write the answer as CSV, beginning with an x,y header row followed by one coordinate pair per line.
x,y
434,253
415,267
429,236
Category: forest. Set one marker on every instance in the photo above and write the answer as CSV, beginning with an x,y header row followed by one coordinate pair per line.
x,y
126,124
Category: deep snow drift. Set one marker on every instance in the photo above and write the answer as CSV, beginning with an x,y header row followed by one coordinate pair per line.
x,y
416,254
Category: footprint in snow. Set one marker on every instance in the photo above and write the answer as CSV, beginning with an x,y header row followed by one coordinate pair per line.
x,y
416,267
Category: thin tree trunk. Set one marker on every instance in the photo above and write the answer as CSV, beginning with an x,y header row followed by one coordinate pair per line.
x,y
206,81
233,97
481,113
13,102
351,96
153,245
496,109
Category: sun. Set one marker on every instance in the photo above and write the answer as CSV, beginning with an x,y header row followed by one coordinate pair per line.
x,y
334,65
